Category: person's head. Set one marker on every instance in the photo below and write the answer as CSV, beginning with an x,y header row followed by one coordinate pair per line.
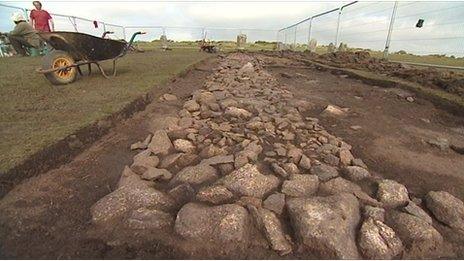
x,y
17,17
37,5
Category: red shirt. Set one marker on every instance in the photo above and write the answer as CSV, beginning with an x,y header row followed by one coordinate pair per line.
x,y
41,18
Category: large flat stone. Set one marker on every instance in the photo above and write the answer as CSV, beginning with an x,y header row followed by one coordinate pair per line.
x,y
326,226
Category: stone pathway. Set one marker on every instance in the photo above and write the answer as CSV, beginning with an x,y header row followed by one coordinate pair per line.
x,y
241,159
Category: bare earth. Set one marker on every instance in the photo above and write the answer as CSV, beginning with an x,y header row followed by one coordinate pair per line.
x,y
48,216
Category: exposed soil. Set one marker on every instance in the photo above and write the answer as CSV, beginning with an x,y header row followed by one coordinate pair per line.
x,y
393,134
450,81
48,216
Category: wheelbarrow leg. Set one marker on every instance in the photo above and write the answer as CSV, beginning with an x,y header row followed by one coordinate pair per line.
x,y
79,70
102,71
114,67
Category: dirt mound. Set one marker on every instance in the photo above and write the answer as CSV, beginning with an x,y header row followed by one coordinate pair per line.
x,y
450,81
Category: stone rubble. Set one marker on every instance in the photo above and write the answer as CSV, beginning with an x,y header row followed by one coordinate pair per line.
x,y
243,156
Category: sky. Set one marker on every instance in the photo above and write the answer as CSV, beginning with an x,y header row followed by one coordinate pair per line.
x,y
364,24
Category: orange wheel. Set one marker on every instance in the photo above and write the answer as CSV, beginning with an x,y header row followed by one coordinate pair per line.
x,y
57,59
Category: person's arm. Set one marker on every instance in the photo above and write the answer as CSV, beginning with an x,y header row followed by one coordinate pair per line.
x,y
52,25
50,20
32,20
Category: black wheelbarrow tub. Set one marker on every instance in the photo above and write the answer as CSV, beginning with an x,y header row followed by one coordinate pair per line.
x,y
84,46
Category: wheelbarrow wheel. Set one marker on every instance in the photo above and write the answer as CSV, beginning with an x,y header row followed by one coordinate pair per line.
x,y
56,59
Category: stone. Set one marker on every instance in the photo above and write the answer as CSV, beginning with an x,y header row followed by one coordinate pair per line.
x,y
160,143
439,142
248,181
144,161
170,160
169,97
275,202
374,213
127,198
128,177
324,172
294,155
149,219
420,239
331,159
141,145
359,163
216,160
417,211
223,230
410,99
237,113
156,174
247,69
279,170
392,194
305,162
447,209
195,175
345,157
226,168
185,146
191,106
182,193
332,110
205,98
355,173
326,226
340,185
378,241
215,194
272,229
291,168
300,185
184,123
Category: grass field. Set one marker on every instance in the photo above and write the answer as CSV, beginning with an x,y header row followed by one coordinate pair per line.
x,y
35,114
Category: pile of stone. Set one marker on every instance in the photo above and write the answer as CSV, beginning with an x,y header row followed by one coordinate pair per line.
x,y
243,161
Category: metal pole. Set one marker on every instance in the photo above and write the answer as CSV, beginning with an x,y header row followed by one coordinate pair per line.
x,y
338,27
309,31
124,32
73,22
294,38
390,30
104,27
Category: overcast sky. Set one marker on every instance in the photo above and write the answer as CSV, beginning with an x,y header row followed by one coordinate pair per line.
x,y
364,24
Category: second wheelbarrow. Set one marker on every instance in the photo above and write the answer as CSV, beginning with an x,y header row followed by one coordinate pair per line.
x,y
73,50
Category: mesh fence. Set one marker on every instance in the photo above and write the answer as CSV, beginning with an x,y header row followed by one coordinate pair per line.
x,y
415,28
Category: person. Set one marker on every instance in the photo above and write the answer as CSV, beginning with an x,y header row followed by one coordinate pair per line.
x,y
23,35
41,20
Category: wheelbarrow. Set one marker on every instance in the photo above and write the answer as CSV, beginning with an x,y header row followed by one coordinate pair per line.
x,y
73,50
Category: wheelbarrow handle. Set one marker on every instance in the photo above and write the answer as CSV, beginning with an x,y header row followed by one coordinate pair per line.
x,y
132,39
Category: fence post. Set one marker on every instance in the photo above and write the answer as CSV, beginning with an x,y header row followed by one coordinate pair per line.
x,y
309,31
390,30
73,22
104,27
338,27
294,38
124,32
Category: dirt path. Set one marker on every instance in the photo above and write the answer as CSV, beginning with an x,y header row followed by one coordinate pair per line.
x,y
49,216
393,133
46,217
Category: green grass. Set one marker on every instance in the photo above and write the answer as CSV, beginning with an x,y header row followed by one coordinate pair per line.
x,y
35,114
